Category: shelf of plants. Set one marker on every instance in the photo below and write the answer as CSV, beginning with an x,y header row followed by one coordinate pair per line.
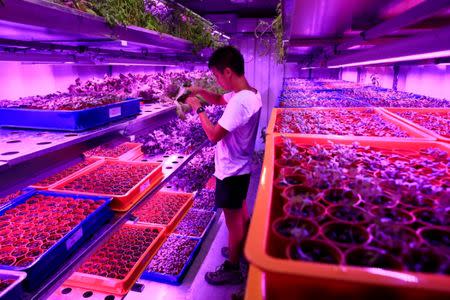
x,y
157,90
186,138
344,207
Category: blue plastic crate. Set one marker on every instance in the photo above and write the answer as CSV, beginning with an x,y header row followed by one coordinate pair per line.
x,y
50,260
15,290
65,120
171,279
26,192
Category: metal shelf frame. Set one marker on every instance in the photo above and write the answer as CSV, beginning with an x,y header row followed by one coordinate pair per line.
x,y
119,219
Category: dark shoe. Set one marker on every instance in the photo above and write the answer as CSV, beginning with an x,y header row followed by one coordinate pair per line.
x,y
225,252
239,295
226,273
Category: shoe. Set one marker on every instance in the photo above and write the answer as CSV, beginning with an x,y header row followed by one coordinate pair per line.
x,y
225,252
226,273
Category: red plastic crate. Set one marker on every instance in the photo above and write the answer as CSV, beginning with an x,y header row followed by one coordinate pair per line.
x,y
65,174
125,151
290,279
414,134
112,269
161,203
121,202
423,111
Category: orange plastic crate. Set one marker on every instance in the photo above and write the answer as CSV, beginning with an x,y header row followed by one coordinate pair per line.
x,y
114,285
413,132
82,166
126,201
130,151
255,286
141,212
288,279
393,112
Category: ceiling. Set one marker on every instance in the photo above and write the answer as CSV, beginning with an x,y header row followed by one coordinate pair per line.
x,y
242,8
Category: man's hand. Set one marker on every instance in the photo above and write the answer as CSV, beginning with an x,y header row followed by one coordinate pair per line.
x,y
194,90
194,102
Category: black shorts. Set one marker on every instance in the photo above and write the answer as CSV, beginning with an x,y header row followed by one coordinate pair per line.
x,y
232,191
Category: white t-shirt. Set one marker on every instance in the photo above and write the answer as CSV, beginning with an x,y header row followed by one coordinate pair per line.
x,y
240,118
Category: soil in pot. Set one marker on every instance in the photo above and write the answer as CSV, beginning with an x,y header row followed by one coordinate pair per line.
x,y
348,213
396,238
415,200
433,217
315,251
382,200
299,193
340,196
436,236
392,215
423,260
372,257
344,234
305,209
295,228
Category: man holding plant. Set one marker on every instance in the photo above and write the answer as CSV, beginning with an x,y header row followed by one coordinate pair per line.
x,y
235,135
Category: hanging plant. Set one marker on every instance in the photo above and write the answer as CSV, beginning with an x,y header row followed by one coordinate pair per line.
x,y
265,32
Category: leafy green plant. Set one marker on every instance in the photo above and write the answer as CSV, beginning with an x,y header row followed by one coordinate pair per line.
x,y
265,32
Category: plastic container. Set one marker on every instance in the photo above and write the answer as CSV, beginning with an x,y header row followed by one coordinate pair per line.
x,y
393,112
132,154
126,201
14,290
287,279
22,193
65,120
92,162
255,286
53,257
189,199
205,230
414,133
174,279
119,286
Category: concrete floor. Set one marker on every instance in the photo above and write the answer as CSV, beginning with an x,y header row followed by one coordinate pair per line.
x,y
194,286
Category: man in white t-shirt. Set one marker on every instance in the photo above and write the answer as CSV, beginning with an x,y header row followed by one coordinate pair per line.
x,y
235,135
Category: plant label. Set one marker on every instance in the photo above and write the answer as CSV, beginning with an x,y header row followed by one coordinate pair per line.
x,y
115,112
74,238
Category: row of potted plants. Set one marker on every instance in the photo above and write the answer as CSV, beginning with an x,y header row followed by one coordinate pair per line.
x,y
328,195
352,122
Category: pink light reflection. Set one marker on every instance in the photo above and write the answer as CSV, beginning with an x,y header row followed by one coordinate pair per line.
x,y
395,275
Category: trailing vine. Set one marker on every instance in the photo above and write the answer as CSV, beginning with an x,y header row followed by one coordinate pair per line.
x,y
265,32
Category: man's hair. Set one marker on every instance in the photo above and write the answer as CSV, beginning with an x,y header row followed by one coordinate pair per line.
x,y
227,57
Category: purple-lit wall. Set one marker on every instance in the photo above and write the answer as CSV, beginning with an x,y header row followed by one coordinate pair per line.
x,y
263,72
429,80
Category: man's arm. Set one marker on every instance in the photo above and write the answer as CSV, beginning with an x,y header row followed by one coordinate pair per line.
x,y
210,97
214,132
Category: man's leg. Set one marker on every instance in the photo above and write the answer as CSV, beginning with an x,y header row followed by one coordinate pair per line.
x,y
236,224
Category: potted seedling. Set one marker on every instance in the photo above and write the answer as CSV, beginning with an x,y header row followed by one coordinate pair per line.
x,y
345,235
372,257
314,251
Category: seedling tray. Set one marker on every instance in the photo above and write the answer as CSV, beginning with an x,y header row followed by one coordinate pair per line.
x,y
174,279
14,290
125,201
290,278
65,120
393,112
414,133
112,284
205,230
141,212
14,196
66,173
107,151
54,256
